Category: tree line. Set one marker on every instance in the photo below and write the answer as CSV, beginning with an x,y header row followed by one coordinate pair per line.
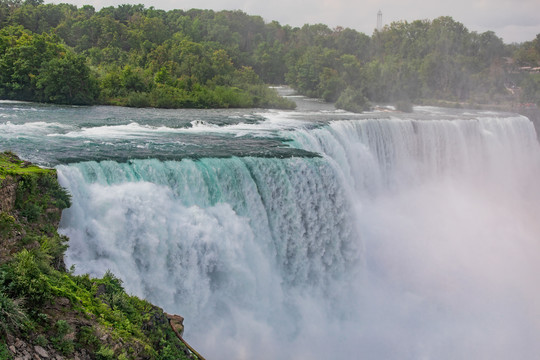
x,y
136,56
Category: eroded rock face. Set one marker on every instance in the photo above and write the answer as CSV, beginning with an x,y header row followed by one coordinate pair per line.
x,y
10,232
8,193
177,323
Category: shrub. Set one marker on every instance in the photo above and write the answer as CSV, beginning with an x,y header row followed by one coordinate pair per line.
x,y
26,187
113,285
5,354
12,316
165,96
54,248
41,340
62,198
207,98
31,211
7,224
138,100
59,341
352,100
105,353
87,337
25,277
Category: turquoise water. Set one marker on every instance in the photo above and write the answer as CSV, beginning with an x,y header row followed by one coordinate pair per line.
x,y
307,234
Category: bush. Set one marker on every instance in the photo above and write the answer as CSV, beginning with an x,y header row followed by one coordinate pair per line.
x,y
105,353
25,277
207,98
62,198
5,354
41,340
59,341
12,316
138,100
113,285
352,100
233,97
87,337
7,224
31,211
165,96
27,187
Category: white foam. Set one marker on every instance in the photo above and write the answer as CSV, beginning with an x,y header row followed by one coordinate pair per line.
x,y
39,127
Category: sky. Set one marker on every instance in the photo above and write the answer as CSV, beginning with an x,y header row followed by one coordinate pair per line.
x,y
512,20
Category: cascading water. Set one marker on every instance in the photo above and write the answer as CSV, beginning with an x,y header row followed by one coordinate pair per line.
x,y
397,237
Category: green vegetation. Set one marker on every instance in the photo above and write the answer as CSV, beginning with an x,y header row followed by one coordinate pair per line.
x,y
136,56
45,305
10,164
128,56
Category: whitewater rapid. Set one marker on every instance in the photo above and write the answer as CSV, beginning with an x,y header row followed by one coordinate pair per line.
x,y
410,237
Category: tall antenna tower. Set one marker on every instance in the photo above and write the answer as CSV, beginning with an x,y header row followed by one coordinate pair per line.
x,y
379,20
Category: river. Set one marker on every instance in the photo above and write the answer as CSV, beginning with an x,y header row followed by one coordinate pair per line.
x,y
306,234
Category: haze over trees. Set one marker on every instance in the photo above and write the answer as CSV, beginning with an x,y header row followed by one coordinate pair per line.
x,y
136,56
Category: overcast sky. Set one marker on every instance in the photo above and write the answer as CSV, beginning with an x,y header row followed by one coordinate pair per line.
x,y
512,20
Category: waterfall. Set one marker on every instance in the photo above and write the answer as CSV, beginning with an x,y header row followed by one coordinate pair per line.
x,y
405,239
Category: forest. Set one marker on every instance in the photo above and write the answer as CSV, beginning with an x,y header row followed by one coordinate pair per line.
x,y
131,55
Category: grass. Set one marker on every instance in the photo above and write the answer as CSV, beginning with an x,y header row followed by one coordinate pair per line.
x,y
10,164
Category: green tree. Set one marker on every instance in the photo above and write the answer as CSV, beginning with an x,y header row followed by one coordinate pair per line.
x,y
269,62
352,100
67,80
22,60
528,54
